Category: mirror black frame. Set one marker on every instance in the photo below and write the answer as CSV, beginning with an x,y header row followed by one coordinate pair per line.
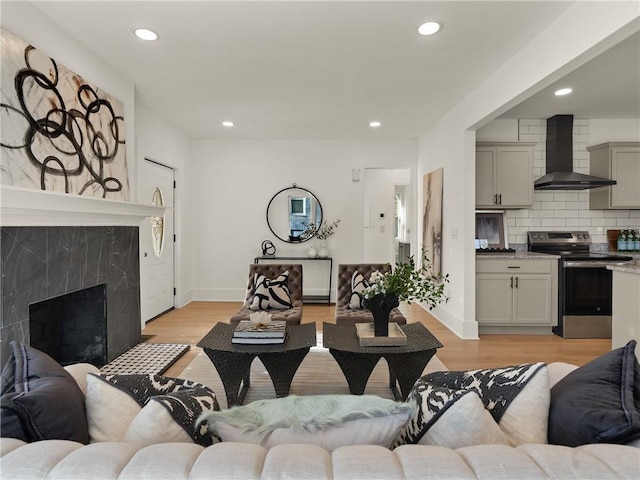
x,y
290,238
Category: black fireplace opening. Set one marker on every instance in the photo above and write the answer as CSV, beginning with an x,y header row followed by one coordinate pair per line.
x,y
71,328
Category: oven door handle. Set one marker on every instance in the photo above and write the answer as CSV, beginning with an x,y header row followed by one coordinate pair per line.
x,y
588,264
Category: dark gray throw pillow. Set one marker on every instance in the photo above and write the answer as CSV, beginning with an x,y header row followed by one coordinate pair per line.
x,y
598,402
40,400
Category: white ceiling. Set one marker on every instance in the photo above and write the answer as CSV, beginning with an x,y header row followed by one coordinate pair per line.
x,y
312,69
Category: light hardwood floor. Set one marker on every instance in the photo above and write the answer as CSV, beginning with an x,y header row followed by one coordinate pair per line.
x,y
189,324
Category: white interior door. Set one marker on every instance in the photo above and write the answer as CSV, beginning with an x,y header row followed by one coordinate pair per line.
x,y
156,242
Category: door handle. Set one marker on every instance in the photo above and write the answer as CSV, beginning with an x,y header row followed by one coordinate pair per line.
x,y
516,282
511,282
500,199
495,199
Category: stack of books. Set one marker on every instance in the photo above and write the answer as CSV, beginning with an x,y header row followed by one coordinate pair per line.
x,y
251,332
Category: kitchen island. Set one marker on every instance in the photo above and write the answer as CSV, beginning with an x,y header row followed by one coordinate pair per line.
x,y
625,323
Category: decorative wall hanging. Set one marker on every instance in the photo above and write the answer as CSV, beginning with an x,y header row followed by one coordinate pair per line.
x,y
268,249
60,133
432,218
158,224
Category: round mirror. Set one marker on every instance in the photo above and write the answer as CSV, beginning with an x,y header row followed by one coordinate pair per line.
x,y
291,211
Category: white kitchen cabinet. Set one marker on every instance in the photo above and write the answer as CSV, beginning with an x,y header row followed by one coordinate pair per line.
x,y
516,295
504,175
625,315
619,161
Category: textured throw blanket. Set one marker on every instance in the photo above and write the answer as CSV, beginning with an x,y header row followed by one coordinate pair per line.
x,y
304,413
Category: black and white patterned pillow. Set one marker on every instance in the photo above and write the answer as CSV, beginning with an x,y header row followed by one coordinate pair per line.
x,y
358,284
271,294
146,409
515,399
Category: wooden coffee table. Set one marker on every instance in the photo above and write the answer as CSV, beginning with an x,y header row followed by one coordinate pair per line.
x,y
406,363
233,360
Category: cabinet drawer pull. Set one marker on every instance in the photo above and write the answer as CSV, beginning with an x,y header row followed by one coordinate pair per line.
x,y
514,266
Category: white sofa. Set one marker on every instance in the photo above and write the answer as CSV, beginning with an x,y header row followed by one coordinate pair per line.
x,y
61,459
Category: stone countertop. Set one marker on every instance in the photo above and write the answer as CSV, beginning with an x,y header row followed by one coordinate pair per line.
x,y
518,256
630,268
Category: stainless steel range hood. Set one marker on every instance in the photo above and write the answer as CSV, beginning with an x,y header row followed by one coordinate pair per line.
x,y
560,174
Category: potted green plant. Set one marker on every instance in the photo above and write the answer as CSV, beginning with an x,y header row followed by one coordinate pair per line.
x,y
406,282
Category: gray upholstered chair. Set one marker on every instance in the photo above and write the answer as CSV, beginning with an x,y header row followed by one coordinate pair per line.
x,y
349,316
272,270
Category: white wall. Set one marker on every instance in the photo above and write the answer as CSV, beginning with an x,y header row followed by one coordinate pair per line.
x,y
379,211
162,143
233,181
581,33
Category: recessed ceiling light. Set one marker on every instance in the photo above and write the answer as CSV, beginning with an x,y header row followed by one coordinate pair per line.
x,y
563,91
374,124
227,123
429,28
145,34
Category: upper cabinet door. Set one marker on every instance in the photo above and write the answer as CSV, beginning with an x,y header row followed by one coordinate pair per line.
x,y
619,161
515,176
504,175
485,191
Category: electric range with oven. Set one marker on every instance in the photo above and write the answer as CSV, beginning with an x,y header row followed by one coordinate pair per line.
x,y
584,283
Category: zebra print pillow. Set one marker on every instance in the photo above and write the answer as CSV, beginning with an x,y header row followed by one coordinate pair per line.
x,y
358,284
146,409
271,293
515,399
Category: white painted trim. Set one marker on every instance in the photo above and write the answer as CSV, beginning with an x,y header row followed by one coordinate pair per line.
x,y
219,294
29,207
466,330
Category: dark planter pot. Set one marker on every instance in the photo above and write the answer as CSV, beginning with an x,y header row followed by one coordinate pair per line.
x,y
380,306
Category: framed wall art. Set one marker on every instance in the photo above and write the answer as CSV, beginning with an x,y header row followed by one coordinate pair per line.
x,y
60,133
432,218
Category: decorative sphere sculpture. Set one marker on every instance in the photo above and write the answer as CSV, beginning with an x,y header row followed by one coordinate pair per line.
x,y
268,249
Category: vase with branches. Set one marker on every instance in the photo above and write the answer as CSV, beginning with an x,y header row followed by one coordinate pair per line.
x,y
406,282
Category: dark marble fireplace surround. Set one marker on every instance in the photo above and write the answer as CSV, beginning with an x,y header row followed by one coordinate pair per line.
x,y
43,262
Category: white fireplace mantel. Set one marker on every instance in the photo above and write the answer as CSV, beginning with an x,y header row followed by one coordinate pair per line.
x,y
30,207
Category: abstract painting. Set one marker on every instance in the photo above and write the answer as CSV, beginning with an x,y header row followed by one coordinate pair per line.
x,y
60,133
432,219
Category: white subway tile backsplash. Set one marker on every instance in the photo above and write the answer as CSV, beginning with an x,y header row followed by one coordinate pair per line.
x,y
542,196
540,213
578,205
528,222
566,196
520,213
525,137
565,214
553,222
575,223
523,122
616,213
591,214
563,210
554,205
603,222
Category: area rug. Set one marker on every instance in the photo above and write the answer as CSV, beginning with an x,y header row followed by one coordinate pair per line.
x,y
146,358
318,374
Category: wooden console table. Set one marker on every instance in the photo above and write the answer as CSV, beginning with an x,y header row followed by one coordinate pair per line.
x,y
306,298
